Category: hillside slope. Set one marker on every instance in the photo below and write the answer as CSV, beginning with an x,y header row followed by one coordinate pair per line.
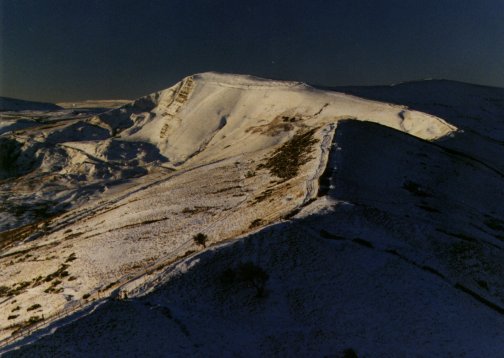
x,y
204,118
349,204
475,110
13,104
383,268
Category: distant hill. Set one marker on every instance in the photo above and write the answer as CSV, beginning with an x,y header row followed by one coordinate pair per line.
x,y
110,103
13,104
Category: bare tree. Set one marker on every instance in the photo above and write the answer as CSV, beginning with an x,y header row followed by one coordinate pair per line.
x,y
200,239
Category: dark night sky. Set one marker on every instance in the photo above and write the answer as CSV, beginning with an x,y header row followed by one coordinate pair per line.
x,y
54,50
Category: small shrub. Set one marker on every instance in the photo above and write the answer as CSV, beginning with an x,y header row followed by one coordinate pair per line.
x,y
200,239
256,223
52,288
110,285
17,288
37,281
14,316
34,319
4,291
86,296
31,321
60,273
33,307
71,258
264,195
17,308
253,275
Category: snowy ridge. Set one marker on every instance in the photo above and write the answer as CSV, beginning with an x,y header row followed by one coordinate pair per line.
x,y
325,176
197,117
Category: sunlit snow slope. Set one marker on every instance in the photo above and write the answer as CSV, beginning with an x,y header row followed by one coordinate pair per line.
x,y
349,204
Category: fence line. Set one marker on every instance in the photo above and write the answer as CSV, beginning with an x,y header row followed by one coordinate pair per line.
x,y
26,331
96,295
93,297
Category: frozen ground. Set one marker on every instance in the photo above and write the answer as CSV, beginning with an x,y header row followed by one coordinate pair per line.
x,y
380,226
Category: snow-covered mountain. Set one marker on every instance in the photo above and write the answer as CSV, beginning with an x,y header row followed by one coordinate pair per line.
x,y
379,225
